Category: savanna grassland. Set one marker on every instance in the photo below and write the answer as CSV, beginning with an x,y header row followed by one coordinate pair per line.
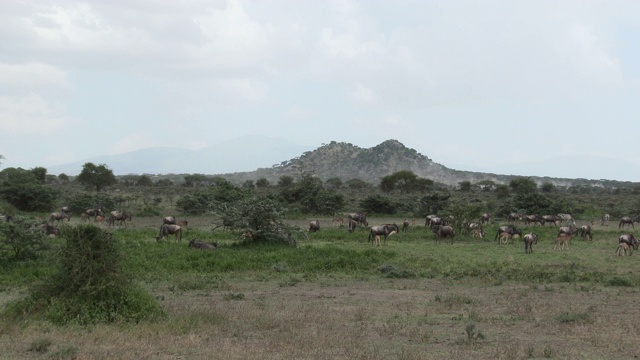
x,y
335,296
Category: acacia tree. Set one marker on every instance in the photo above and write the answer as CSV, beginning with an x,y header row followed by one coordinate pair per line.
x,y
98,176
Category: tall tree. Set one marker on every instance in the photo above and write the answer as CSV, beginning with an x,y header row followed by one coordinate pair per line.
x,y
98,176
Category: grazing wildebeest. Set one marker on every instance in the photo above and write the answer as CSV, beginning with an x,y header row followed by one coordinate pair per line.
x,y
562,240
314,226
567,218
427,220
443,231
437,221
405,226
119,215
550,219
65,209
57,216
485,218
197,244
352,225
93,213
585,231
512,230
624,249
604,220
512,217
529,240
570,230
630,240
50,230
360,218
529,219
627,220
170,229
169,220
385,230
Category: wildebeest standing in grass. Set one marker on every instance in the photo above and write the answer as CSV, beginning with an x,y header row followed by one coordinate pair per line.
x,y
314,226
119,215
59,216
50,230
627,220
511,229
405,226
585,231
352,225
443,231
384,230
629,239
169,220
529,240
485,218
360,218
170,229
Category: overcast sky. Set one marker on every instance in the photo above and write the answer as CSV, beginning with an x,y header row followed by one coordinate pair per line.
x,y
470,84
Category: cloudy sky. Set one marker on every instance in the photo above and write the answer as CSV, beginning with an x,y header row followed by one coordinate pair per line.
x,y
471,84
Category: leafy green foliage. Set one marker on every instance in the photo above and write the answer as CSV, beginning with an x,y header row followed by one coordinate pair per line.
x,y
21,239
22,189
90,285
377,204
97,176
144,180
262,183
523,185
208,200
405,181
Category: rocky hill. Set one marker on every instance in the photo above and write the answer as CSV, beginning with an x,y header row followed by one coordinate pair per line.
x,y
347,161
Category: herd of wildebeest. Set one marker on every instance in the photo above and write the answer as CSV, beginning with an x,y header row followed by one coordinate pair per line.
x,y
440,226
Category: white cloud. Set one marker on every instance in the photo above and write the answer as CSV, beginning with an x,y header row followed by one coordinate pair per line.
x,y
363,94
248,89
32,75
31,114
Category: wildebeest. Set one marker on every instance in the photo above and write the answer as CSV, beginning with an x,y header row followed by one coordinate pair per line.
x,y
604,220
550,219
529,219
427,220
630,240
384,230
197,244
562,240
627,220
50,230
585,231
65,209
314,226
485,218
93,213
624,249
567,218
405,226
511,229
529,240
437,221
443,231
169,220
119,215
512,217
58,216
570,230
170,229
352,225
360,218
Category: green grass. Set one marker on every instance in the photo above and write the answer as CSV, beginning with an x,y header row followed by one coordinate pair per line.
x,y
336,252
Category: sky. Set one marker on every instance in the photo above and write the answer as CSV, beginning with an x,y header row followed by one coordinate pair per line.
x,y
473,85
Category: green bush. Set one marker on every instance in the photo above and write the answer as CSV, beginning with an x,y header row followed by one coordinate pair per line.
x,y
90,285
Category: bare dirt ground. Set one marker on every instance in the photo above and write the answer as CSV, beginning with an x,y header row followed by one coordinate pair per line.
x,y
349,319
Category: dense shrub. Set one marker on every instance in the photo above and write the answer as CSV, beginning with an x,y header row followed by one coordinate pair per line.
x,y
90,284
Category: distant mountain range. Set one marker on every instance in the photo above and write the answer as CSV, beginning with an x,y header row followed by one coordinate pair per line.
x,y
254,157
246,153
